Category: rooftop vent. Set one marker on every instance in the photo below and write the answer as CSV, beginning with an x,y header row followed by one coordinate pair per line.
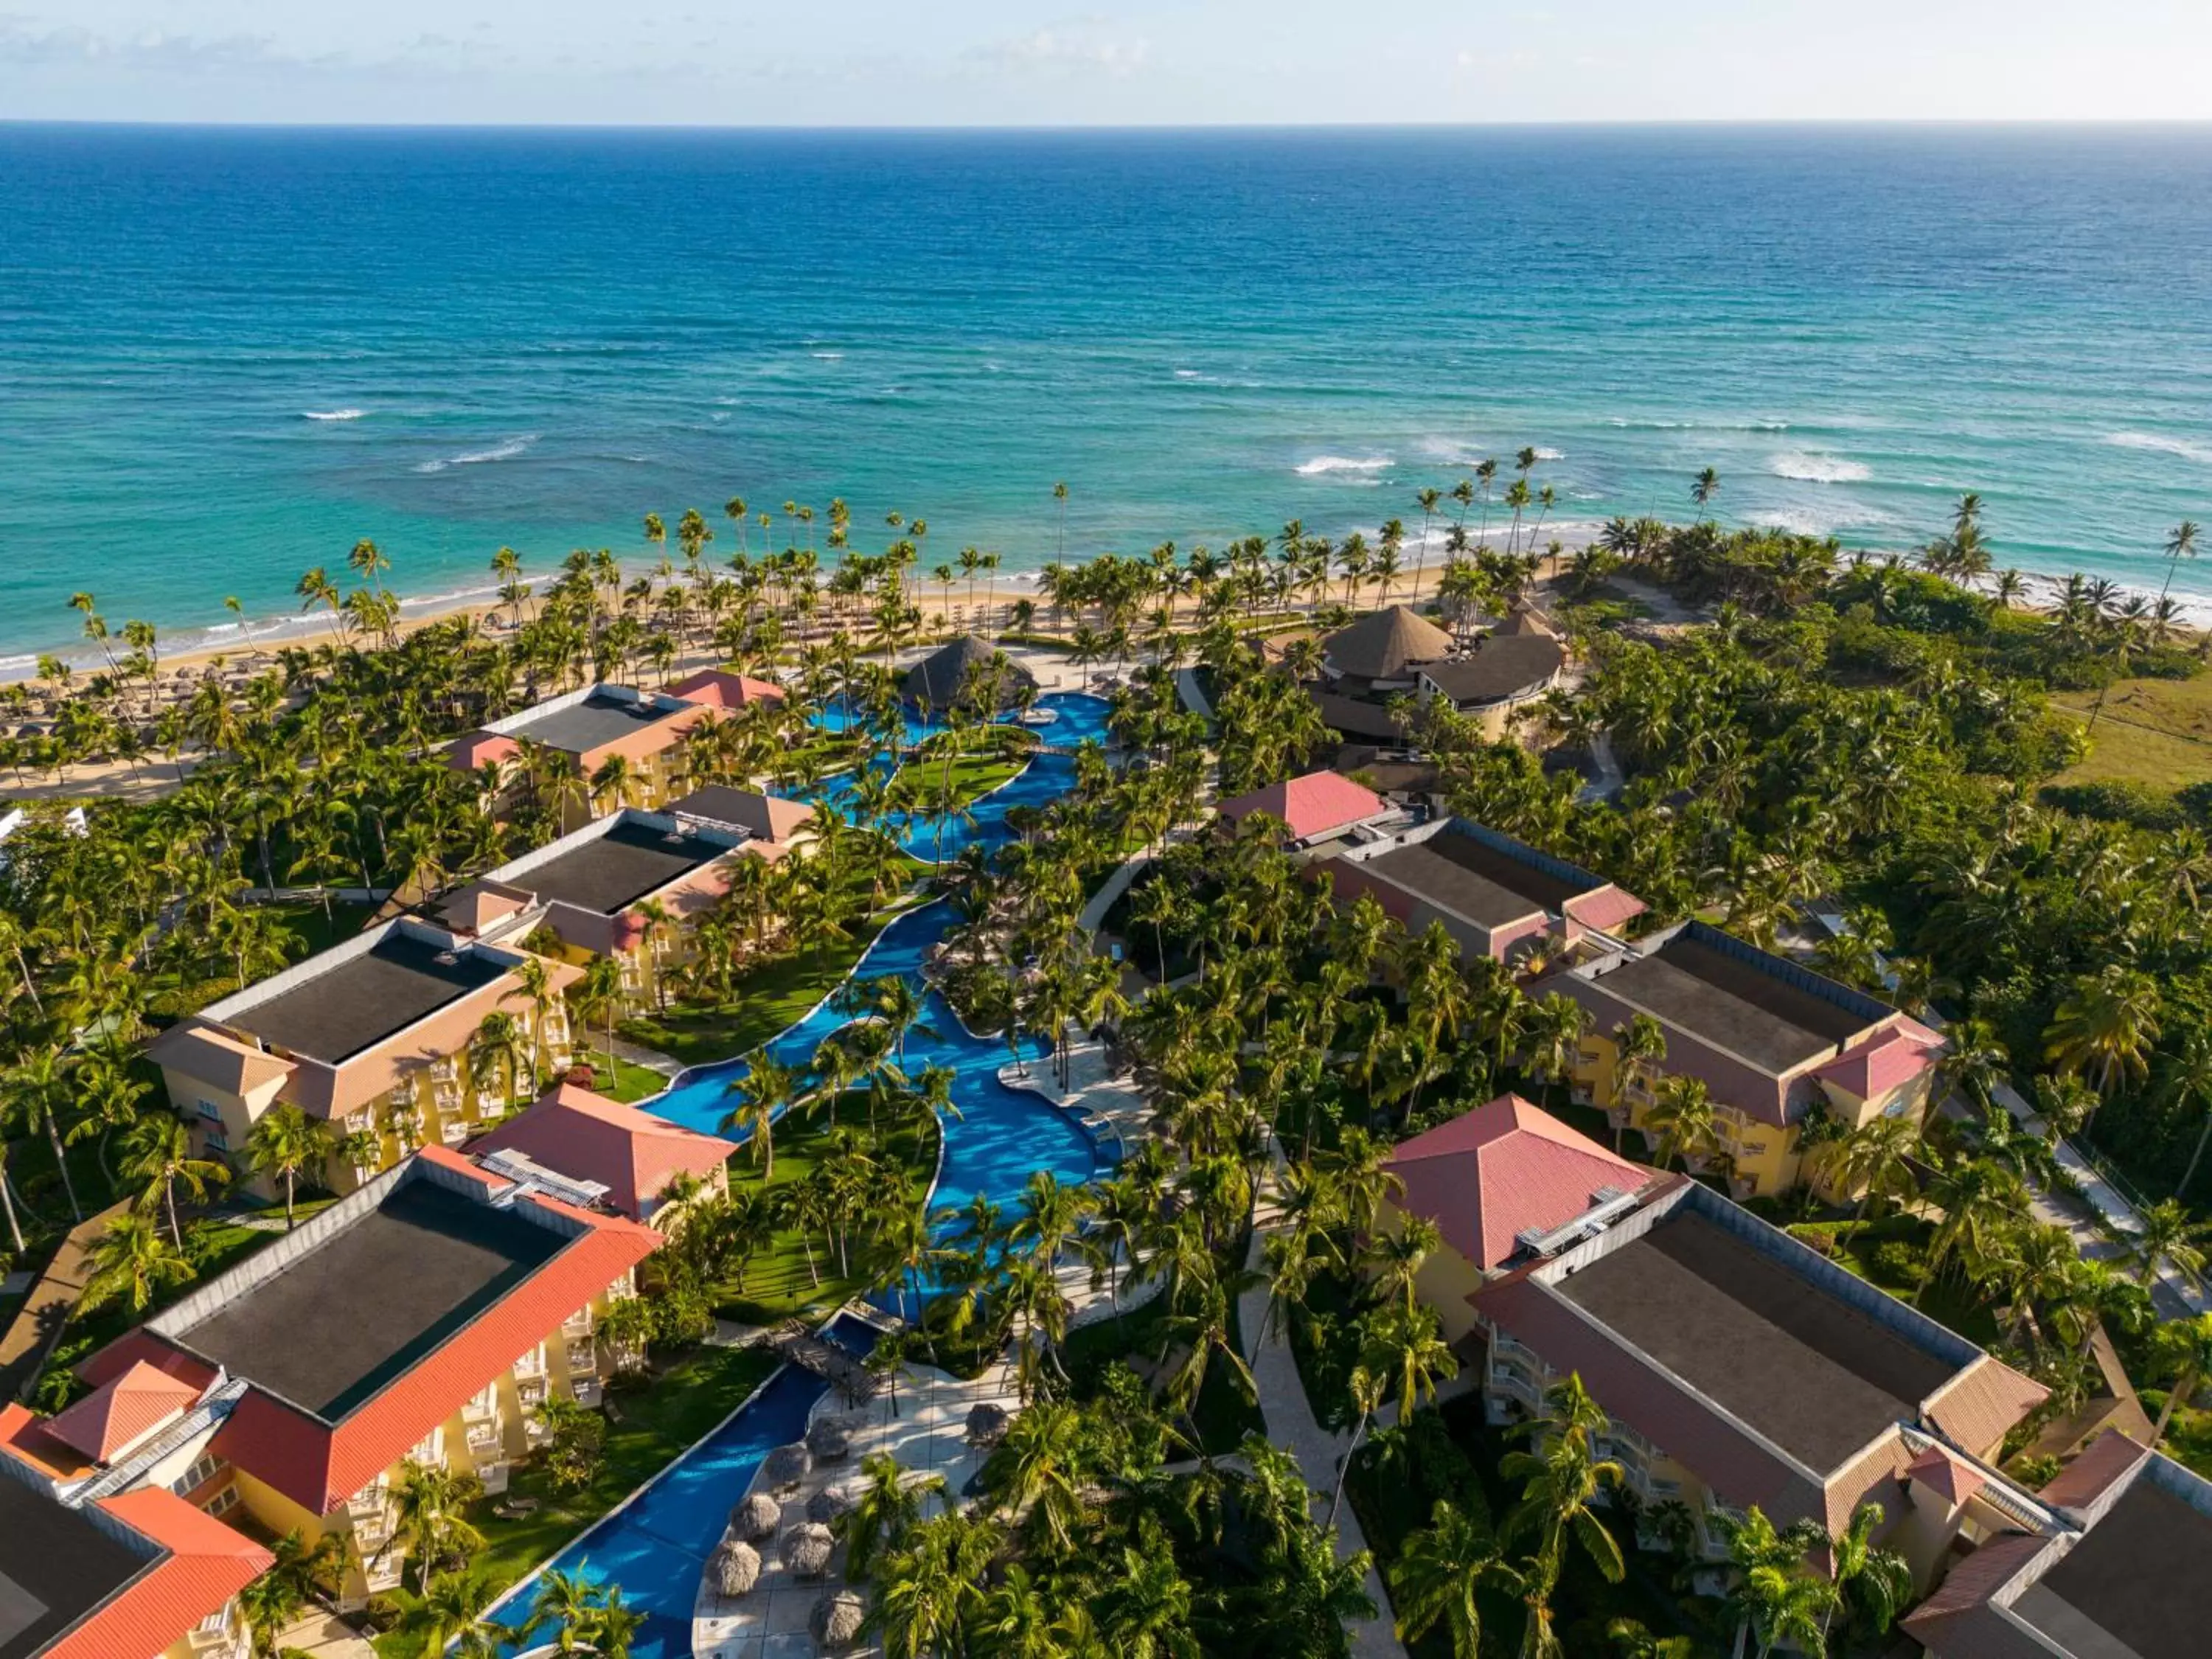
x,y
447,959
1606,1205
530,1176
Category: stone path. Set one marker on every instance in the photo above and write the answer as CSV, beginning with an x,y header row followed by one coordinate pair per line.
x,y
1291,1424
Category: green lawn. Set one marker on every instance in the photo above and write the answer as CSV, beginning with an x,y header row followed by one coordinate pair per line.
x,y
2122,752
766,1001
628,1082
779,1282
1948,1301
659,1423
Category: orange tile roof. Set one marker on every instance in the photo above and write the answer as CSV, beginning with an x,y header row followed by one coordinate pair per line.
x,y
632,1153
1491,1174
203,1563
1943,1470
718,688
1311,805
123,1411
24,1437
318,1464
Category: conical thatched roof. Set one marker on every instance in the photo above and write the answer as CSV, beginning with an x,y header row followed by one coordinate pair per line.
x,y
836,1621
986,1424
829,1504
786,1466
829,1438
807,1549
757,1517
1386,645
736,1569
940,680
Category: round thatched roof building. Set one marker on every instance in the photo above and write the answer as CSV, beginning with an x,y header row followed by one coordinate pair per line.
x,y
1383,649
951,674
836,1621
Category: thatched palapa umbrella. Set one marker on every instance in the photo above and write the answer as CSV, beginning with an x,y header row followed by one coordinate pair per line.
x,y
807,1548
757,1517
830,1439
986,1424
736,1569
786,1466
829,1504
836,1621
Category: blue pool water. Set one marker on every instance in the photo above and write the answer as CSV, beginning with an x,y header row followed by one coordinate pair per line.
x,y
1082,718
656,1549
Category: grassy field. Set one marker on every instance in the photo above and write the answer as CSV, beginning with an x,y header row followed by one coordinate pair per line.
x,y
764,1002
779,1281
627,1082
659,1424
2153,731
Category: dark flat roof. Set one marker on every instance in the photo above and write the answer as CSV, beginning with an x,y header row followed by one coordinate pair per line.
x,y
2141,1575
1503,664
337,1325
1765,1020
55,1567
1815,1375
589,724
358,1004
1474,878
618,868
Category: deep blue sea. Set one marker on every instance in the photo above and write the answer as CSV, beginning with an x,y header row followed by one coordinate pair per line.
x,y
225,355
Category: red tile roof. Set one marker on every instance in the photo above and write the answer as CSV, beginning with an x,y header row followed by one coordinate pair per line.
x,y
320,1465
1982,1405
718,689
1311,805
2089,1476
1890,1056
1943,1470
202,1565
24,1437
123,1411
1605,910
632,1153
1492,1173
466,754
1957,1622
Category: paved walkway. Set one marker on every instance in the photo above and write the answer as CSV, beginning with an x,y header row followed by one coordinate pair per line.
x,y
52,1299
1291,1425
321,1635
1192,692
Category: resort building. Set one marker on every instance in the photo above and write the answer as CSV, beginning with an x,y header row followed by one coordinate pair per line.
x,y
1771,1040
2119,1568
1497,897
623,886
421,1319
129,1575
582,731
1512,666
1317,808
949,677
1374,659
371,1037
631,1156
1738,1366
773,824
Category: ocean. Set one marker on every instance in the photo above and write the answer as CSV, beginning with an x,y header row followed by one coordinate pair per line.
x,y
228,354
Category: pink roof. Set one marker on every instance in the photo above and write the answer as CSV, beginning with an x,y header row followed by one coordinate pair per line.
x,y
1605,910
633,1153
1311,805
718,688
123,1411
466,754
1944,1472
1895,1053
1492,1173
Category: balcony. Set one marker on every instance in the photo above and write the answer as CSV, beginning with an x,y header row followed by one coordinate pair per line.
x,y
382,1573
219,1637
488,1439
491,1103
449,1096
483,1407
370,1500
446,1070
532,1364
578,1323
586,1390
452,1131
583,1358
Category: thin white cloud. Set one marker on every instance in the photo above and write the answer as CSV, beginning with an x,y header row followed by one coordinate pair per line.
x,y
1078,48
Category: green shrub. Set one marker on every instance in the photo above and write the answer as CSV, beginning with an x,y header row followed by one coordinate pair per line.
x,y
1898,1263
2136,803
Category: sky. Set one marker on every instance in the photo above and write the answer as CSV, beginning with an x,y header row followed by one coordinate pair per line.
x,y
851,63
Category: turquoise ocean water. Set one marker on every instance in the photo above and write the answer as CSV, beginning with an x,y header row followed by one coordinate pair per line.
x,y
225,355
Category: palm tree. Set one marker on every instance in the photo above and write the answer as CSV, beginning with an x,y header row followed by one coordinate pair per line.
x,y
1043,1454
34,1092
534,985
268,1605
1875,1584
2105,1026
1639,1045
1872,1161
1978,1199
157,1152
1682,1116
2181,545
1562,1482
564,1604
2187,1085
497,1046
1704,487
1442,1568
598,996
286,1143
1761,1562
451,1617
1399,1255
2170,1237
767,1086
132,1263
2183,1348
428,1504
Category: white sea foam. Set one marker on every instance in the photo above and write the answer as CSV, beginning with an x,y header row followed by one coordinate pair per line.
x,y
826,356
1323,466
1551,454
1189,374
1806,468
505,452
2163,445
333,413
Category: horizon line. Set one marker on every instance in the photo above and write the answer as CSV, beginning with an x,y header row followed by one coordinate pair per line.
x,y
766,129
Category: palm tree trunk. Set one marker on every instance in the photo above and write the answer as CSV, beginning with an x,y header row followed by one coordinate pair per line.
x,y
169,1203
291,1184
2184,1385
2202,1134
61,1162
8,1204
1344,1468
